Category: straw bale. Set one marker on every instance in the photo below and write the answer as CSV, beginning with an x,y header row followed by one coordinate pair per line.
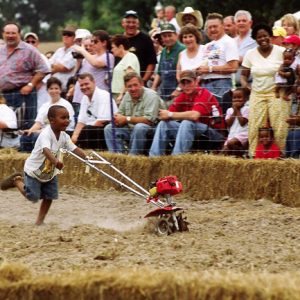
x,y
203,176
156,285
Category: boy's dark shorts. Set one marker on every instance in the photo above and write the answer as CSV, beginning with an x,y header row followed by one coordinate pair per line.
x,y
36,190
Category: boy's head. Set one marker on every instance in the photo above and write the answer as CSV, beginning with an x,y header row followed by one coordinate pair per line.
x,y
288,56
58,117
266,135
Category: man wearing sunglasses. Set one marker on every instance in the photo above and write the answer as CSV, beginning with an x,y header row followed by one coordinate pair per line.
x,y
42,94
62,62
22,69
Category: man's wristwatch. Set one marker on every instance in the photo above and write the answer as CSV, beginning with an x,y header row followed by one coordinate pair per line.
x,y
128,119
170,114
30,84
179,89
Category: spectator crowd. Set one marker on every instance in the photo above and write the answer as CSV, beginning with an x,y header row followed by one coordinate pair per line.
x,y
220,85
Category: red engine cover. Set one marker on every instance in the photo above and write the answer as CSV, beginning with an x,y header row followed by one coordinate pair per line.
x,y
169,185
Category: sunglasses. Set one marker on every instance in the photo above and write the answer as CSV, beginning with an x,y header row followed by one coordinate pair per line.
x,y
69,34
31,42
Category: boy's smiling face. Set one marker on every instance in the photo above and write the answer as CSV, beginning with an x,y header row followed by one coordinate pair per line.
x,y
61,120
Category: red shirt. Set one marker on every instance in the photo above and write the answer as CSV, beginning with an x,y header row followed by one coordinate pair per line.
x,y
273,152
202,101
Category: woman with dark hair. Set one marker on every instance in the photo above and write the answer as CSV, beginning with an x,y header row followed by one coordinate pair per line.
x,y
191,57
128,63
262,62
98,63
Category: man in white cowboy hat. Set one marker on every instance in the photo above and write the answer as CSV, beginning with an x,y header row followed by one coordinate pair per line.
x,y
194,17
189,16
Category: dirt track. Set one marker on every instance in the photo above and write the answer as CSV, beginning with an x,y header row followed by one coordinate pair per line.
x,y
96,230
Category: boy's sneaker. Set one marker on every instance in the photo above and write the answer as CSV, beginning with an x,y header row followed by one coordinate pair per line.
x,y
9,182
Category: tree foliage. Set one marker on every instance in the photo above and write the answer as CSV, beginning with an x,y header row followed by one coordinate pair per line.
x,y
107,14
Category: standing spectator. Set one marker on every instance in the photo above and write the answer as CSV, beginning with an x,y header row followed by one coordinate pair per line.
x,y
160,16
140,44
166,75
95,113
22,69
221,57
293,138
188,116
42,95
62,62
8,124
98,63
290,24
170,13
279,33
265,108
245,42
230,26
191,57
138,113
128,63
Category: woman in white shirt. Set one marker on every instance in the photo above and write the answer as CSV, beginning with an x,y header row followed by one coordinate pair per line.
x,y
54,89
192,57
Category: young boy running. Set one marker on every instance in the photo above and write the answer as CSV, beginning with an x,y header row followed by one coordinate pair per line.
x,y
43,164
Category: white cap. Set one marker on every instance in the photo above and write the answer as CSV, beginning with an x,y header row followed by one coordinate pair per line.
x,y
82,34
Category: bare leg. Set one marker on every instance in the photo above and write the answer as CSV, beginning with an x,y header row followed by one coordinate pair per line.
x,y
44,208
19,183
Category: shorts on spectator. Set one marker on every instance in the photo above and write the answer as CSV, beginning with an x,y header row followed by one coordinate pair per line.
x,y
36,190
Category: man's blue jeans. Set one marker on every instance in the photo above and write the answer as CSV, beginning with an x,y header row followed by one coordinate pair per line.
x,y
136,136
183,133
293,144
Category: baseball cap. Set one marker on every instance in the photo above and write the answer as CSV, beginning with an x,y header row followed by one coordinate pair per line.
x,y
167,28
292,39
279,31
187,75
28,34
131,13
82,33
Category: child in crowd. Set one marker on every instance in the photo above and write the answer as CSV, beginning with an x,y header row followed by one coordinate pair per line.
x,y
286,75
237,122
44,163
54,89
266,147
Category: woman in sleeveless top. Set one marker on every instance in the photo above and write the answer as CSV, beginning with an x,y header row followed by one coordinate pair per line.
x,y
191,57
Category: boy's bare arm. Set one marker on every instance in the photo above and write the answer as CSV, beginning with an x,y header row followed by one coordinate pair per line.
x,y
78,151
58,164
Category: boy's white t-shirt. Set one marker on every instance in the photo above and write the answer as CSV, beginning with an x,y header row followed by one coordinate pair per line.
x,y
43,112
36,165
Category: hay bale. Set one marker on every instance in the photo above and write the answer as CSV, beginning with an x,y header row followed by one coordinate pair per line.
x,y
156,285
203,176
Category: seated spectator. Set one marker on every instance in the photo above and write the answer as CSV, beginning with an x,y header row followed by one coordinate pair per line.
x,y
293,138
54,89
266,147
237,123
8,126
188,116
138,113
94,114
